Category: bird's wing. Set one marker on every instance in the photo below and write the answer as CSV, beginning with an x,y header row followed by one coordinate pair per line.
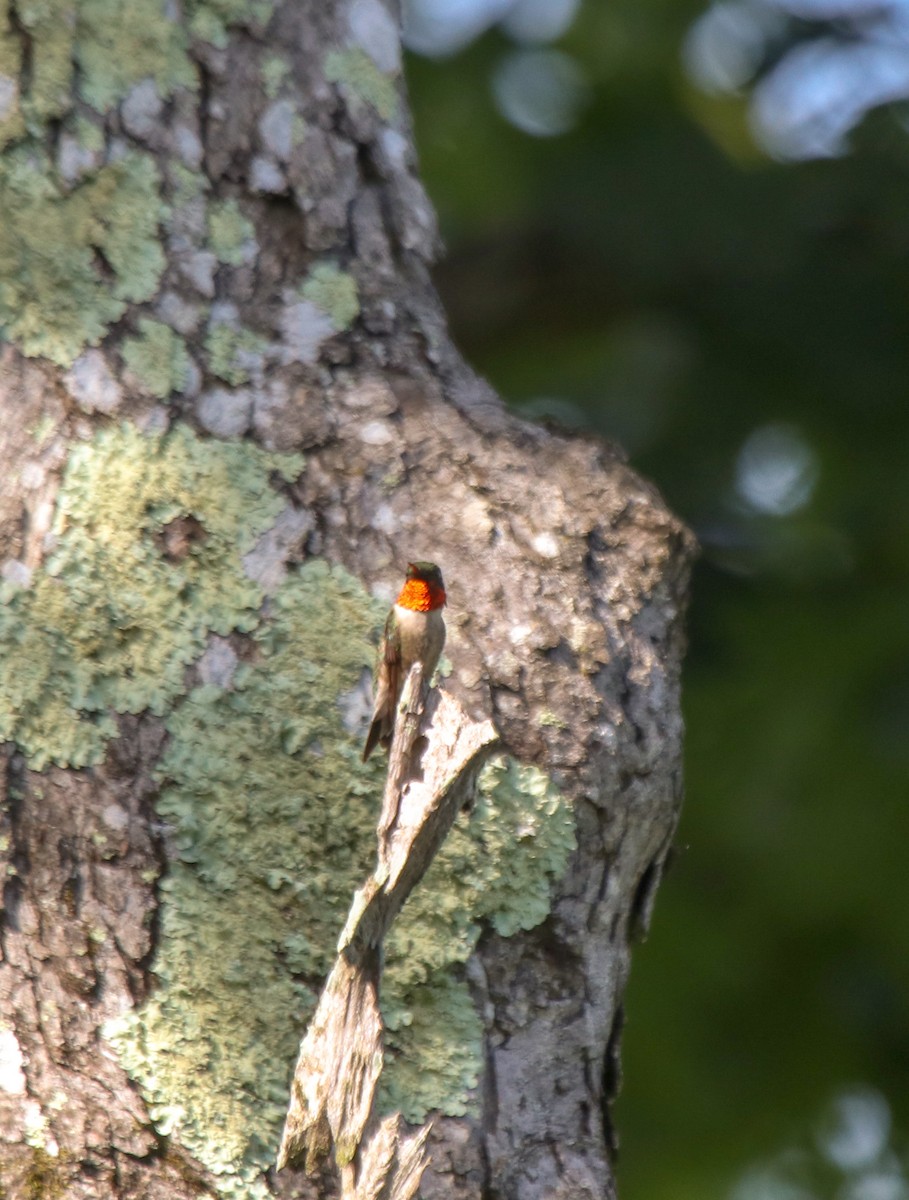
x,y
387,684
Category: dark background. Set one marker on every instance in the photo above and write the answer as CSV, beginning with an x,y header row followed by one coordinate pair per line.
x,y
688,230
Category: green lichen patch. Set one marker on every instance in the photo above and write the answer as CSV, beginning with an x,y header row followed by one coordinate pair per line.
x,y
186,186
526,828
12,120
120,42
125,209
89,134
233,354
50,26
114,44
334,292
357,71
114,618
100,48
496,867
209,20
275,73
158,358
272,815
55,298
231,236
434,1050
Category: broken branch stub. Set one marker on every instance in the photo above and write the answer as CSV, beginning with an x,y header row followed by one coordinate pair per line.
x,y
435,754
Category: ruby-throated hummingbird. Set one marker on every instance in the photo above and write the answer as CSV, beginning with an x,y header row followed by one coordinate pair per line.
x,y
414,632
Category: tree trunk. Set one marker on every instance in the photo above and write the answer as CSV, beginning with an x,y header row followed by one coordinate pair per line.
x,y
230,413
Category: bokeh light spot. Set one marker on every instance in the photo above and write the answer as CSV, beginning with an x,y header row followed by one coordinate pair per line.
x,y
539,20
764,1183
855,1130
776,471
540,91
725,46
887,1184
437,28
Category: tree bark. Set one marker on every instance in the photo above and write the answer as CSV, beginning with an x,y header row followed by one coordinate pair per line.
x,y
229,406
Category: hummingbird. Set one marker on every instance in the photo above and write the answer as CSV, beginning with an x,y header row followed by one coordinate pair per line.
x,y
414,632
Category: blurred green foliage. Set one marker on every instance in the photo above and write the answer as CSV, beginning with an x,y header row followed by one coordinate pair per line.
x,y
653,276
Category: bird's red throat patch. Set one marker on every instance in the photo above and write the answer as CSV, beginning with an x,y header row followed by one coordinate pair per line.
x,y
420,596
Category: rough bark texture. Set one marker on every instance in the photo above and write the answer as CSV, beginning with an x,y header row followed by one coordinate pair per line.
x,y
77,939
567,580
